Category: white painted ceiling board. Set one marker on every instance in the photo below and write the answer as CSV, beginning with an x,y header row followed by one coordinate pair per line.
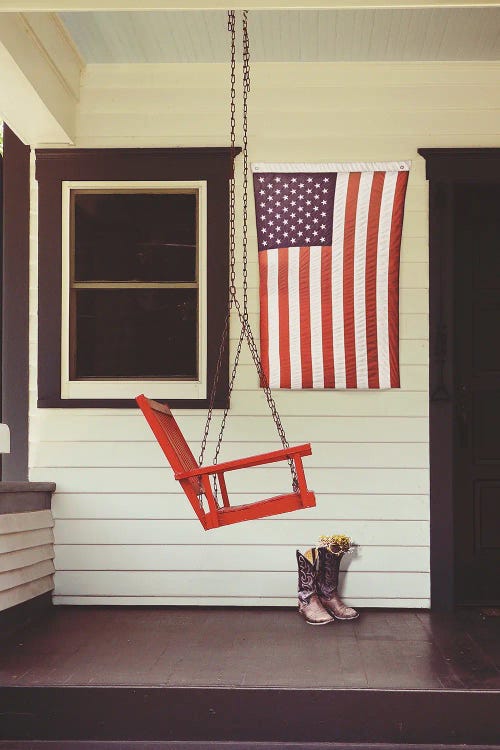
x,y
286,36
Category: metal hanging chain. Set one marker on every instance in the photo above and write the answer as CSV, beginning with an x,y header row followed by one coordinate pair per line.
x,y
246,323
222,348
233,302
268,394
231,25
246,91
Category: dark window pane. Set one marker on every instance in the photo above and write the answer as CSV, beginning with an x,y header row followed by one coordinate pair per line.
x,y
135,333
135,236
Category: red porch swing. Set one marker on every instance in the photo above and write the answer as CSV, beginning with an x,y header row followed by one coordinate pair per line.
x,y
193,477
195,480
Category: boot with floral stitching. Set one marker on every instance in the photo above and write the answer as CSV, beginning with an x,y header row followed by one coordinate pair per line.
x,y
309,605
327,582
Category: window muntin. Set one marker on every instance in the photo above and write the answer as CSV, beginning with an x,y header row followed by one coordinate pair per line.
x,y
134,289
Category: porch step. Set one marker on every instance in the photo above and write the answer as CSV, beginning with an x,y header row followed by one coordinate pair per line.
x,y
230,717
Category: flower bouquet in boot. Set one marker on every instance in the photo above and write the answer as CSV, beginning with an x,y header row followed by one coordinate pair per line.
x,y
328,555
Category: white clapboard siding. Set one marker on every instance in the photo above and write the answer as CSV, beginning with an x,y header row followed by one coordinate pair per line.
x,y
124,532
23,557
12,578
26,591
229,557
26,540
269,481
72,425
12,523
348,404
414,377
163,506
389,122
325,455
212,98
272,531
26,556
345,404
25,530
229,583
339,76
403,404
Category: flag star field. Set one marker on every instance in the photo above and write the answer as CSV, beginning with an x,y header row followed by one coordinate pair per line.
x,y
294,209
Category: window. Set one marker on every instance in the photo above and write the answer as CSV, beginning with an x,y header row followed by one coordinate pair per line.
x,y
133,274
134,289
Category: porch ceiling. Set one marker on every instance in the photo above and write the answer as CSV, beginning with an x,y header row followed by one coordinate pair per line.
x,y
401,34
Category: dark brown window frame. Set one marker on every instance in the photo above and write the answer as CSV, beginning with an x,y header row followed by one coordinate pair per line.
x,y
53,166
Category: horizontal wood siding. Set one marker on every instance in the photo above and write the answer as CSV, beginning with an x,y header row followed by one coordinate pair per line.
x,y
124,533
26,556
26,591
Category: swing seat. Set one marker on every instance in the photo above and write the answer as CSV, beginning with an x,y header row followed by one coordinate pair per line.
x,y
195,480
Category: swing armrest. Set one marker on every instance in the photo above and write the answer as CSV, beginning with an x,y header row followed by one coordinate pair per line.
x,y
245,463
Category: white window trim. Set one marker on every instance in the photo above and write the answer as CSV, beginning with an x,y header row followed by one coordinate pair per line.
x,y
125,389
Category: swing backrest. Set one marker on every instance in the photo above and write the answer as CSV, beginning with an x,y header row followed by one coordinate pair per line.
x,y
171,440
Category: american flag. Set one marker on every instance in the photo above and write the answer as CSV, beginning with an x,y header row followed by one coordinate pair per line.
x,y
329,239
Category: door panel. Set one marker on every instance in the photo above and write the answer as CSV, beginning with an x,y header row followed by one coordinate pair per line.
x,y
487,515
477,394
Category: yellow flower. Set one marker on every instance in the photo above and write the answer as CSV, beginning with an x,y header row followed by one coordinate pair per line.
x,y
338,544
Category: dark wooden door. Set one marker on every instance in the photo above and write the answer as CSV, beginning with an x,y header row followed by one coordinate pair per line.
x,y
477,394
1,277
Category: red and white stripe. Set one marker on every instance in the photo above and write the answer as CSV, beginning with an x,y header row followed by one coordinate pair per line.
x,y
330,315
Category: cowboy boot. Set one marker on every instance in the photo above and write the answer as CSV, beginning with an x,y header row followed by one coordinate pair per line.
x,y
327,583
309,604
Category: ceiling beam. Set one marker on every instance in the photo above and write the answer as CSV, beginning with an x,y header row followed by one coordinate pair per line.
x,y
38,89
59,46
129,5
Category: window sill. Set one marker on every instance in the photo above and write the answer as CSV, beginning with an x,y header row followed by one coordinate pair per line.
x,y
122,403
128,389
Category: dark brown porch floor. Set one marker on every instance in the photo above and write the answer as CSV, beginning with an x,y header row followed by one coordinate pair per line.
x,y
177,647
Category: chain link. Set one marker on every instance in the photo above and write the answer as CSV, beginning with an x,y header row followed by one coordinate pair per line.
x,y
231,25
267,391
222,348
246,91
233,302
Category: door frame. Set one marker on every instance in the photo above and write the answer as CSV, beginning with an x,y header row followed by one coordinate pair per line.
x,y
15,304
445,168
